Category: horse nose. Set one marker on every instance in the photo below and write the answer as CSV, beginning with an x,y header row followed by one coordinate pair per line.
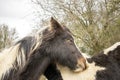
x,y
81,65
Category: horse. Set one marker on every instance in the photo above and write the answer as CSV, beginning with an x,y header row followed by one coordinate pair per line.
x,y
102,66
28,58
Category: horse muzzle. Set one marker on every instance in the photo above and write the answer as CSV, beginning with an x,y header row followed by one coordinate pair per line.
x,y
81,66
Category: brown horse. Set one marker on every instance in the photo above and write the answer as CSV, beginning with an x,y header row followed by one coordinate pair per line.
x,y
30,57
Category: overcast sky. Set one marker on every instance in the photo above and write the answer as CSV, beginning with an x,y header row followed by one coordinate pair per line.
x,y
18,14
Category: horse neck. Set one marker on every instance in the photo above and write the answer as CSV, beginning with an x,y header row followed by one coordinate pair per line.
x,y
35,67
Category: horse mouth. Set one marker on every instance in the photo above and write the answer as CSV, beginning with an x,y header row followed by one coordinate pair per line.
x,y
78,70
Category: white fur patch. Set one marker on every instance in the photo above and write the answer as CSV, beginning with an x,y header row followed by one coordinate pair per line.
x,y
8,57
88,74
113,47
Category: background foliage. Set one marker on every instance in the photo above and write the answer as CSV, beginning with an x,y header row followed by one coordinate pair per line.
x,y
94,23
7,36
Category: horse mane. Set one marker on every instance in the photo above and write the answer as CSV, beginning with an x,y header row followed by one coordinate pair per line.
x,y
15,57
8,58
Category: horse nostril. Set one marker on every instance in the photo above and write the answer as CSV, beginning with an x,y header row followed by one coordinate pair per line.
x,y
82,63
73,52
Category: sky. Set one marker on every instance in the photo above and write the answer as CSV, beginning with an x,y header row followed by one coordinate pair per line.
x,y
18,14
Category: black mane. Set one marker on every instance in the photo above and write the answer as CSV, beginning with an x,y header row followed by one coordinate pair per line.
x,y
25,46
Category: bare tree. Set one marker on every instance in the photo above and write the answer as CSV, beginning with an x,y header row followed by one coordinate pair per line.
x,y
93,22
6,36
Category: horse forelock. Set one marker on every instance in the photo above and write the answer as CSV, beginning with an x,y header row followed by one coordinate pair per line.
x,y
43,35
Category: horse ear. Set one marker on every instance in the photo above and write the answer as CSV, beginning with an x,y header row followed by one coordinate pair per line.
x,y
54,24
